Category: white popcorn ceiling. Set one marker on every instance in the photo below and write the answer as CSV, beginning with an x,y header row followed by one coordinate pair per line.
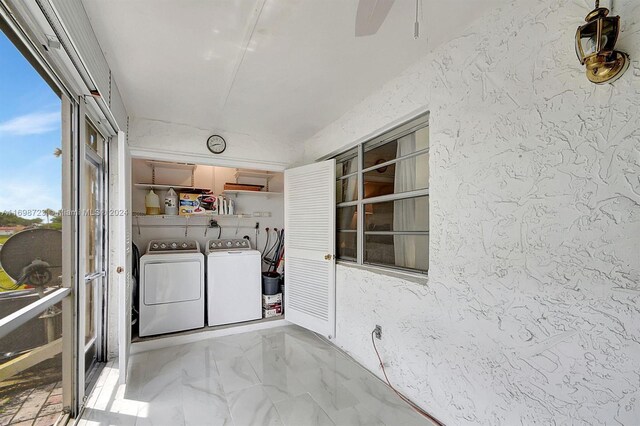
x,y
531,312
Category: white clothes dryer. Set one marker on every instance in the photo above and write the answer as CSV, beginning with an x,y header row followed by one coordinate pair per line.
x,y
172,287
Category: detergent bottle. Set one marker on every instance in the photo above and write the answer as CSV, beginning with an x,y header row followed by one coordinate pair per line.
x,y
171,203
152,203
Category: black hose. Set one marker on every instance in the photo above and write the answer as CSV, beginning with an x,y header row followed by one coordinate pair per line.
x,y
266,244
276,255
268,253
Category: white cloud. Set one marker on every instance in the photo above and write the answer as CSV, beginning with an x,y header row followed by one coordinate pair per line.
x,y
31,196
31,124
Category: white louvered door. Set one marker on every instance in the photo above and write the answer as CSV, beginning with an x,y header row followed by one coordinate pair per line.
x,y
310,216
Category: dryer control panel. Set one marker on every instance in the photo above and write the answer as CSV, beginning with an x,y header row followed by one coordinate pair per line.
x,y
234,244
161,246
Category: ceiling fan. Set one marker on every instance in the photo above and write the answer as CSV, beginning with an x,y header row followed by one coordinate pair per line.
x,y
371,14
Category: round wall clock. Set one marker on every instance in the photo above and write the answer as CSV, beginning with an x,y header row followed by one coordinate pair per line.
x,y
216,144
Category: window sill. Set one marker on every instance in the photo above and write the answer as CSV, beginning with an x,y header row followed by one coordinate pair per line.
x,y
414,277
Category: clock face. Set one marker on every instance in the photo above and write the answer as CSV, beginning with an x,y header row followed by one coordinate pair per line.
x,y
216,144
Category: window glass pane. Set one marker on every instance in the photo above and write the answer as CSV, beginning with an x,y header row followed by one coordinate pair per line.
x,y
92,216
411,214
347,189
90,326
346,245
609,31
405,175
402,251
589,39
400,147
381,154
94,140
346,218
347,163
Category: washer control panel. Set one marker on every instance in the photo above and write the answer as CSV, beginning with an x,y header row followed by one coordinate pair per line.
x,y
234,244
156,246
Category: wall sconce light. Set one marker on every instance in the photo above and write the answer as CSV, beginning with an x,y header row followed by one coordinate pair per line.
x,y
595,43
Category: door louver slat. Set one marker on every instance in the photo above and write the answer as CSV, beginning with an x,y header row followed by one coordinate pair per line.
x,y
310,236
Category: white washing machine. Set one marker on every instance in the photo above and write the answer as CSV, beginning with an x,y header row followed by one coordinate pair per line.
x,y
234,282
172,296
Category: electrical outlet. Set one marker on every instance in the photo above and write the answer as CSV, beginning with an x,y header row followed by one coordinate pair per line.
x,y
378,332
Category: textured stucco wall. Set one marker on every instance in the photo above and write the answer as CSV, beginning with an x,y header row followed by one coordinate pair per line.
x,y
531,312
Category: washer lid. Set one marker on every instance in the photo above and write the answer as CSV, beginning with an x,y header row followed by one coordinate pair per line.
x,y
233,252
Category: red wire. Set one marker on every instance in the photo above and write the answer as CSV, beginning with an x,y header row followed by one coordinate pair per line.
x,y
280,259
402,397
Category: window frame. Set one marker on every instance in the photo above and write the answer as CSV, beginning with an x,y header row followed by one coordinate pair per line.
x,y
411,126
75,106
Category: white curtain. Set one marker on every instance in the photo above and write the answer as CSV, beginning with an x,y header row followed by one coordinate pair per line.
x,y
411,251
347,191
352,189
404,210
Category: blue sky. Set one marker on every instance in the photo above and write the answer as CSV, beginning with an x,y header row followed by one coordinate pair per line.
x,y
30,175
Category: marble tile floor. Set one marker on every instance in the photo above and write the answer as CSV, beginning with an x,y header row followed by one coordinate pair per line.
x,y
279,376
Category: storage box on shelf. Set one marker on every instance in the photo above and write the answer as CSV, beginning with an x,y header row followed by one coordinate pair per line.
x,y
242,187
270,299
273,312
271,305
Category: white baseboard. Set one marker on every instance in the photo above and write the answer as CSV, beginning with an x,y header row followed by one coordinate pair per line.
x,y
160,342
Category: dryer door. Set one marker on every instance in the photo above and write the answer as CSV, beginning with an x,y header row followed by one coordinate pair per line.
x,y
170,282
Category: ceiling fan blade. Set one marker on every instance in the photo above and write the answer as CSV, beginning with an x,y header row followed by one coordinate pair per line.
x,y
370,16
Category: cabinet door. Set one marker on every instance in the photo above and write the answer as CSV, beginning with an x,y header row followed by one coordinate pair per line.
x,y
310,216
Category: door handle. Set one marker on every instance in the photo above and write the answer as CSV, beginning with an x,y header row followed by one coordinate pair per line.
x,y
328,257
91,277
119,269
